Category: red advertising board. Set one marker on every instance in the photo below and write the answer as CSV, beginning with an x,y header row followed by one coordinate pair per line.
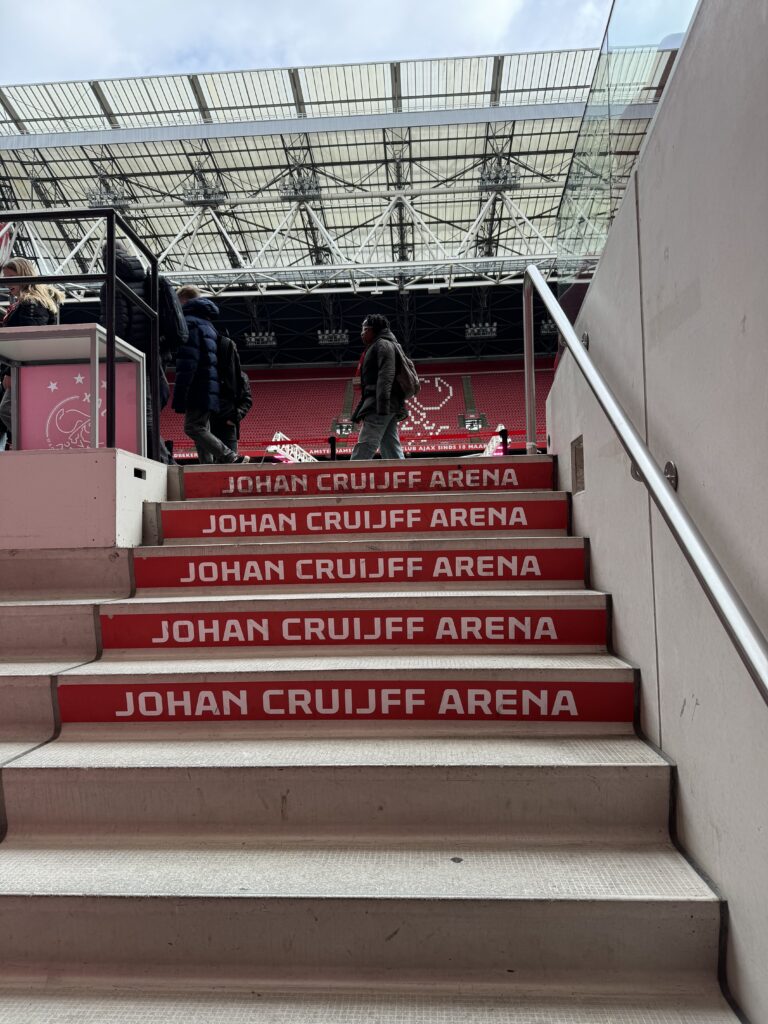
x,y
310,700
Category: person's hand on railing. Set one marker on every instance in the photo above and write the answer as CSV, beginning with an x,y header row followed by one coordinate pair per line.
x,y
7,382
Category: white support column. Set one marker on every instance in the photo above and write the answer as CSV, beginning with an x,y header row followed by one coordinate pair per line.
x,y
227,238
378,225
471,234
516,213
187,226
94,228
420,223
326,235
42,252
201,215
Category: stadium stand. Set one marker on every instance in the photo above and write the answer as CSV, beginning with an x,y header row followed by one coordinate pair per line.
x,y
305,407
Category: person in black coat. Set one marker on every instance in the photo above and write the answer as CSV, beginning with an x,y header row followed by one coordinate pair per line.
x,y
196,389
32,305
235,398
133,326
382,405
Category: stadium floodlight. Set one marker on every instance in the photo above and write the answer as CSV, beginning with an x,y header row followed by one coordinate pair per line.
x,y
203,194
499,177
260,339
108,193
333,338
483,329
302,186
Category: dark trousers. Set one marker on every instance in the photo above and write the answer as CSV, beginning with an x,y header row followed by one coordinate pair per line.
x,y
226,432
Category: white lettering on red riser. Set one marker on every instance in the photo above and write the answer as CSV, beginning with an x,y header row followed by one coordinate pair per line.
x,y
488,515
564,626
346,480
173,702
359,567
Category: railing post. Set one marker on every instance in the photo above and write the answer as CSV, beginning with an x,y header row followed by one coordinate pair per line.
x,y
332,446
529,365
154,359
504,435
109,322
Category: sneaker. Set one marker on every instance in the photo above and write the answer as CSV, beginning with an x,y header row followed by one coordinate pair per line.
x,y
239,460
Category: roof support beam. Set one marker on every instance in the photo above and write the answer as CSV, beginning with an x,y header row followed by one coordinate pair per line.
x,y
103,102
298,94
498,68
202,106
11,111
397,93
309,125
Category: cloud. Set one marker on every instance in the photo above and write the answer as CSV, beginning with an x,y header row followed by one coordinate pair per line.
x,y
82,39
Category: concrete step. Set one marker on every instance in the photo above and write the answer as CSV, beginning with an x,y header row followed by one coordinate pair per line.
x,y
522,561
549,913
365,695
424,475
589,789
566,620
141,1004
421,515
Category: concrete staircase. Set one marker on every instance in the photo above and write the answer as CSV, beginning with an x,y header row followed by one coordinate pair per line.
x,y
356,749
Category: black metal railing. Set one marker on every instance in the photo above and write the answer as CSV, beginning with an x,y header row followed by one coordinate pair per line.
x,y
113,286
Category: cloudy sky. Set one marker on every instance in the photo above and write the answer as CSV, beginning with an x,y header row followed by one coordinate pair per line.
x,y
81,39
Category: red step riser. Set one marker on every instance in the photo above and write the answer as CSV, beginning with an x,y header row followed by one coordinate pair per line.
x,y
360,567
553,628
308,700
319,520
344,479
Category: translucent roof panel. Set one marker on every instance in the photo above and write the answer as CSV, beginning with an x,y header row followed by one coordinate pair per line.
x,y
284,197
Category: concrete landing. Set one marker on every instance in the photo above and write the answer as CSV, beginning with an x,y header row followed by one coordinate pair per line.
x,y
62,1006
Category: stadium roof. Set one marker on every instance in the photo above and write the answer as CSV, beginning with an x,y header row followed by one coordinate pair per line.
x,y
384,175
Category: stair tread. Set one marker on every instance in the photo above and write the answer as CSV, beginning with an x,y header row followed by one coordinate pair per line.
x,y
291,869
325,545
536,752
532,664
340,499
479,598
54,1006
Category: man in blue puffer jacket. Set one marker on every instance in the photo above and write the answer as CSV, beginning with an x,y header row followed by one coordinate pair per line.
x,y
196,390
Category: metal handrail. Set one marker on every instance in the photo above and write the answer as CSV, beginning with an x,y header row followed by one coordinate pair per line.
x,y
728,605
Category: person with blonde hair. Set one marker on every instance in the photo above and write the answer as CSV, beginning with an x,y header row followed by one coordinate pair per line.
x,y
31,305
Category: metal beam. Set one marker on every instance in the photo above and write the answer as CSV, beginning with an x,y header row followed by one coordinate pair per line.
x,y
310,125
202,106
11,111
397,93
298,94
103,102
498,68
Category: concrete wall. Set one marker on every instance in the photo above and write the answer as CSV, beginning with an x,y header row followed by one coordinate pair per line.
x,y
678,324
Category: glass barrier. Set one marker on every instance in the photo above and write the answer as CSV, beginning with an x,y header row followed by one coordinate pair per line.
x,y
638,51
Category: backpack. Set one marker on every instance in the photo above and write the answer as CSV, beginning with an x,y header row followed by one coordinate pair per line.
x,y
174,331
406,377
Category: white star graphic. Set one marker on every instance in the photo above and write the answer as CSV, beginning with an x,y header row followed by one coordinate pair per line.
x,y
103,383
87,397
79,379
53,386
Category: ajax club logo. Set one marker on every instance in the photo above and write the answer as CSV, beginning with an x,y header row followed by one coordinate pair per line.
x,y
69,421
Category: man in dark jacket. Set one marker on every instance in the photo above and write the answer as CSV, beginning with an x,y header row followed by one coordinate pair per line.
x,y
235,399
133,326
382,404
196,390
